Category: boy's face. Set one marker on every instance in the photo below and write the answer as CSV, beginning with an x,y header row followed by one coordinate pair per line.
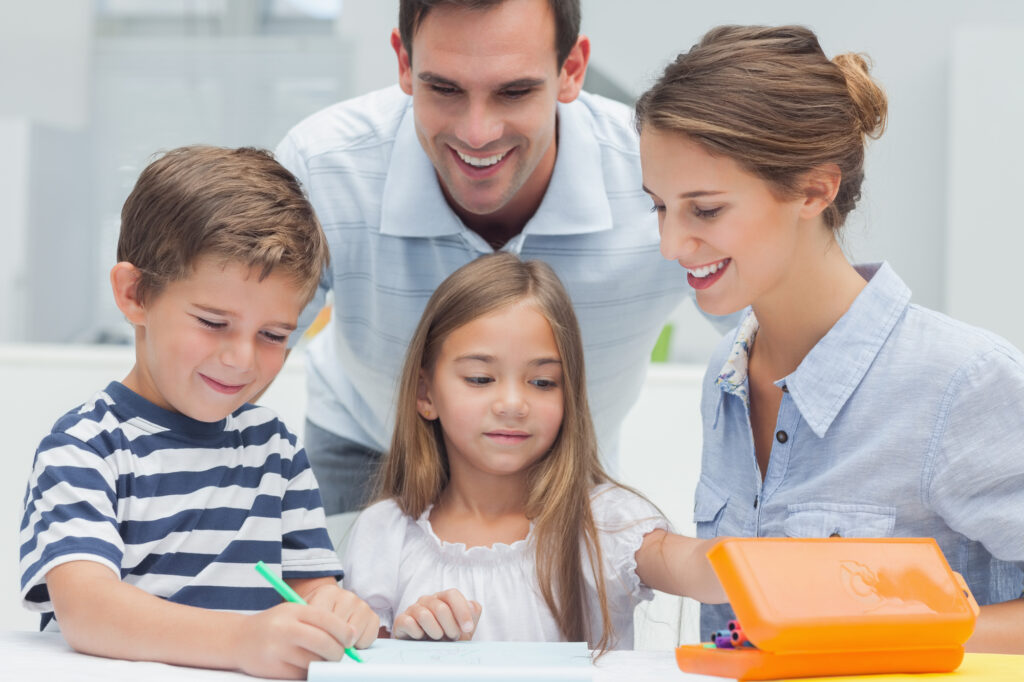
x,y
207,344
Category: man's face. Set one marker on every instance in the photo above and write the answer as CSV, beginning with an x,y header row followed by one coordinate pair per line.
x,y
485,85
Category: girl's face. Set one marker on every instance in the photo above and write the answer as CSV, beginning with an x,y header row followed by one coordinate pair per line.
x,y
737,240
496,388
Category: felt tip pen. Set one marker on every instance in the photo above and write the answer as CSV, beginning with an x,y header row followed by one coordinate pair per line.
x,y
286,592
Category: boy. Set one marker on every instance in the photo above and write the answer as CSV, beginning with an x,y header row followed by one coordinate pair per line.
x,y
149,505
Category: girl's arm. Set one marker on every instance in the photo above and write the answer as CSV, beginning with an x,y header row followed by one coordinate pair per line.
x,y
679,565
998,629
99,614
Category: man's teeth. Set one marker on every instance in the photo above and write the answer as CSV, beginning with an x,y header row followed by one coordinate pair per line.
x,y
481,162
707,269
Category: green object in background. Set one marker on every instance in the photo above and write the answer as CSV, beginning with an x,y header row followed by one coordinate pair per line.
x,y
660,352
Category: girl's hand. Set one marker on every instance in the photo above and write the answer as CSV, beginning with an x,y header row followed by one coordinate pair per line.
x,y
445,615
356,612
282,641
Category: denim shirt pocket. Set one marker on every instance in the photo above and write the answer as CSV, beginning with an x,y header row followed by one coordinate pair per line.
x,y
708,508
824,519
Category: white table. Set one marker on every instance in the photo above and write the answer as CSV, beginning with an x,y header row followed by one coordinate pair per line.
x,y
44,657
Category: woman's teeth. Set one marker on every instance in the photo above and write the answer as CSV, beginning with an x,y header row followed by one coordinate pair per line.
x,y
708,269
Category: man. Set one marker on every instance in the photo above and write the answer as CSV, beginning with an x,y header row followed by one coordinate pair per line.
x,y
486,143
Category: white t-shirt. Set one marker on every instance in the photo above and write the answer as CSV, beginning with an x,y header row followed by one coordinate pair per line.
x,y
393,559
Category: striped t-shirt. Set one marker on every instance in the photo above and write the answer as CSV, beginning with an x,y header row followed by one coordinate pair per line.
x,y
180,508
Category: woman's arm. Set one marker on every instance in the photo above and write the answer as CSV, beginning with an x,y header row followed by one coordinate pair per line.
x,y
999,630
679,565
98,614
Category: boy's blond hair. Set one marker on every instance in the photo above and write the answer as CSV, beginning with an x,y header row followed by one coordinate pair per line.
x,y
236,205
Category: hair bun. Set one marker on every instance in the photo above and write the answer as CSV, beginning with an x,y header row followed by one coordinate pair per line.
x,y
868,97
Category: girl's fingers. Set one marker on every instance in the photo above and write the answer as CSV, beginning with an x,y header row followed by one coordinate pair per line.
x,y
462,614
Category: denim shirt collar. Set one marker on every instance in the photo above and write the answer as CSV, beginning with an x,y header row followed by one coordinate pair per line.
x,y
575,201
832,370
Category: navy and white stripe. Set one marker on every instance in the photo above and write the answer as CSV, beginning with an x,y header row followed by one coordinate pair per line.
x,y
177,507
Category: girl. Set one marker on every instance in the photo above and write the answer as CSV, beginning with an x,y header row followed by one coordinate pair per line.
x,y
495,517
837,408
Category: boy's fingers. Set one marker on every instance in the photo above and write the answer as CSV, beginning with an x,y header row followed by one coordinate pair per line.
x,y
371,626
332,624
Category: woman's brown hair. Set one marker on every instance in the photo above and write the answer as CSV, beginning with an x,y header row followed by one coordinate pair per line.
x,y
769,98
415,471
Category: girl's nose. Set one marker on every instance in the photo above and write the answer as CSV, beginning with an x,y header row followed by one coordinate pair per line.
x,y
512,404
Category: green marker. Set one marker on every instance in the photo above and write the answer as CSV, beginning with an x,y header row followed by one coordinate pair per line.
x,y
285,590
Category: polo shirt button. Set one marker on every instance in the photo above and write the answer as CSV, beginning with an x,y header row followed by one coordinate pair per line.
x,y
781,436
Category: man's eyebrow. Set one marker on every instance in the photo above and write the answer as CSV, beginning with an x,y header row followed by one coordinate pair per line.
x,y
431,78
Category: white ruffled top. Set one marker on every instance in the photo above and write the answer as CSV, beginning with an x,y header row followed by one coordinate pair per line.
x,y
392,560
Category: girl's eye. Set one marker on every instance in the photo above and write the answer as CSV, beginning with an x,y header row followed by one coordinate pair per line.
x,y
275,338
545,383
478,381
210,324
706,213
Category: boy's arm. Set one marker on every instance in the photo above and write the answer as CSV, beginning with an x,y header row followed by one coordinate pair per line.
x,y
98,614
679,565
998,629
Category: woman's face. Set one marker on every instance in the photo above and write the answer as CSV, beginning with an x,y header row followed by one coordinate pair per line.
x,y
737,241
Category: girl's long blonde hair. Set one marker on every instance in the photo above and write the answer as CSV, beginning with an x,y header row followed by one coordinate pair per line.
x,y
415,470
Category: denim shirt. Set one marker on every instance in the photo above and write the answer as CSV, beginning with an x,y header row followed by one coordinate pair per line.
x,y
900,422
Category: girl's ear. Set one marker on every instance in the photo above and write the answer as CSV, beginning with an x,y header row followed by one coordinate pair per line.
x,y
124,280
820,189
424,404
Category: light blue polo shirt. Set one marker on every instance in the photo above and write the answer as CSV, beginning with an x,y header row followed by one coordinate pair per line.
x,y
900,422
394,238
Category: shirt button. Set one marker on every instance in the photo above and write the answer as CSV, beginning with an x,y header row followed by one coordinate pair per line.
x,y
785,388
755,502
781,436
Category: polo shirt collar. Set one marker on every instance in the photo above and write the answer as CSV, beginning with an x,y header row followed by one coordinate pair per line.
x,y
575,201
832,370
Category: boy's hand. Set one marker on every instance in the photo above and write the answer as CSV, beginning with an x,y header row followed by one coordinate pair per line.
x,y
445,615
346,605
282,641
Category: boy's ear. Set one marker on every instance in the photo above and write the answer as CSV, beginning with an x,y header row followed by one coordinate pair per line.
x,y
820,189
424,404
124,280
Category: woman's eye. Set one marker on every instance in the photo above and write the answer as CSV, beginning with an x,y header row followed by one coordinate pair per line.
x,y
211,324
706,213
657,208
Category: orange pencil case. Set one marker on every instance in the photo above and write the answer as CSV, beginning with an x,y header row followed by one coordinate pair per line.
x,y
837,606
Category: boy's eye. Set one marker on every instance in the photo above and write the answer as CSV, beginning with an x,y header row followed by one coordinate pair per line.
x,y
275,338
210,323
478,381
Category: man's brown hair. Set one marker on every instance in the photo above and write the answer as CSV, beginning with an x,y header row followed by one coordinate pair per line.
x,y
236,205
411,14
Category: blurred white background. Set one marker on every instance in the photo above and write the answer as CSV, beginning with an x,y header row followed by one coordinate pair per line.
x,y
90,90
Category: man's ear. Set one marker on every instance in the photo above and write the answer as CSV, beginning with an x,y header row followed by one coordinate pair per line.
x,y
124,280
574,70
404,62
424,403
820,188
